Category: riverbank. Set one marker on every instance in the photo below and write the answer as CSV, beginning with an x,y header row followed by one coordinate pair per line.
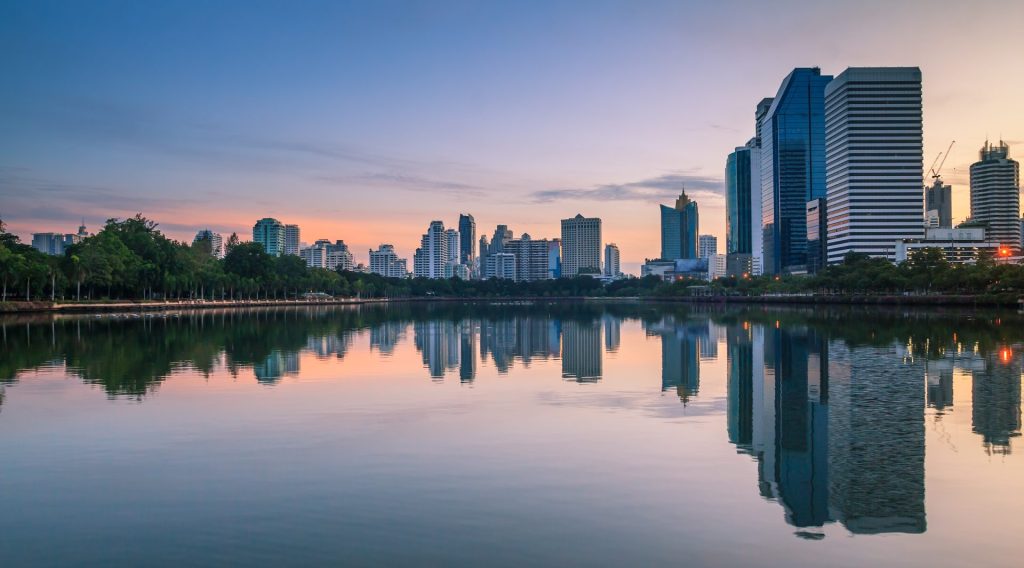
x,y
1008,301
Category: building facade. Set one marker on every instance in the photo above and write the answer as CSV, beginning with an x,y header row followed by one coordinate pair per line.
x,y
270,233
291,239
385,261
532,261
216,242
963,245
874,154
938,204
53,243
679,227
792,135
581,246
467,242
707,245
430,259
612,261
995,195
743,207
817,235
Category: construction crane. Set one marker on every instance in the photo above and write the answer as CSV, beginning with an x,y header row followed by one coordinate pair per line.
x,y
936,172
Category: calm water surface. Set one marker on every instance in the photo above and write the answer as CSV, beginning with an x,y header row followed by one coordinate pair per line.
x,y
494,435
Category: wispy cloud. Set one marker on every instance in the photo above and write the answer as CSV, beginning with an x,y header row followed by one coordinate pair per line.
x,y
650,190
397,180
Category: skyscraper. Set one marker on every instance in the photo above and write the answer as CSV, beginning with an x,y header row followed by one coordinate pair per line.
x,y
817,231
679,226
938,204
467,241
874,156
743,208
216,242
995,195
531,258
612,266
707,245
385,262
581,246
270,233
489,248
792,135
291,239
432,256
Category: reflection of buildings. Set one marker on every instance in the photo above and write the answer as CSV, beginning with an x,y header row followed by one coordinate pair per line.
x,y
680,345
995,391
876,440
276,365
439,342
581,350
612,332
330,345
520,338
386,336
838,431
939,379
467,342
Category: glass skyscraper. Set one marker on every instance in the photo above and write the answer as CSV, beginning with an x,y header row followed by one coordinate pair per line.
x,y
738,185
679,226
792,133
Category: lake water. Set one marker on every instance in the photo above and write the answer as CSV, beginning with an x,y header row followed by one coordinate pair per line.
x,y
509,435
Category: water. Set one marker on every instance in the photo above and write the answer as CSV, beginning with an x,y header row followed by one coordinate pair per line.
x,y
504,435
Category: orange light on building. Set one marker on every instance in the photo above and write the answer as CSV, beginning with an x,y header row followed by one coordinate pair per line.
x,y
1004,251
1005,354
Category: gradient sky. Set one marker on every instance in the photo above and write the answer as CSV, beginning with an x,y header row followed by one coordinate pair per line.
x,y
364,121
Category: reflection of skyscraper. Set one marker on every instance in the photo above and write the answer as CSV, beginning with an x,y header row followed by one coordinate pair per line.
x,y
467,338
876,440
612,333
740,410
680,365
385,336
581,350
996,398
521,338
709,345
940,385
439,345
275,366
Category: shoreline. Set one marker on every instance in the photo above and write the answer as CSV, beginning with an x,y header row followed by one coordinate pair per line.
x,y
852,300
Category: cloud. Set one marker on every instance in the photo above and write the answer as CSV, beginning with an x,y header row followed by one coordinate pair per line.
x,y
395,180
651,190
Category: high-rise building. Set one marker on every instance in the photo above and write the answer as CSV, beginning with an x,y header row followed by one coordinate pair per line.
x,y
938,204
612,265
488,248
707,245
432,256
874,156
467,241
385,262
270,233
316,256
792,135
555,257
679,226
53,243
817,232
215,239
743,208
532,258
502,265
291,239
581,246
454,246
995,196
339,257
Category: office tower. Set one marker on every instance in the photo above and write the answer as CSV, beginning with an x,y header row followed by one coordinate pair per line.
x,y
707,245
291,239
432,256
501,265
53,243
215,239
454,246
817,231
555,258
489,248
270,233
532,259
743,208
718,266
792,135
581,246
995,196
679,226
467,241
938,204
612,266
385,262
874,155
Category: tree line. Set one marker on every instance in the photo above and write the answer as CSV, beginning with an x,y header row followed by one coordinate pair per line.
x,y
132,259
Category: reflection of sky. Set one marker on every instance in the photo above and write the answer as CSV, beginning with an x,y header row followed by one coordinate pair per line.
x,y
365,458
374,118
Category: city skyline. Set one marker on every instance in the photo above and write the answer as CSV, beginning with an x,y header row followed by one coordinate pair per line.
x,y
217,134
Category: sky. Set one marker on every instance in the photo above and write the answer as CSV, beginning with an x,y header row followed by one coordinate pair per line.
x,y
364,121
